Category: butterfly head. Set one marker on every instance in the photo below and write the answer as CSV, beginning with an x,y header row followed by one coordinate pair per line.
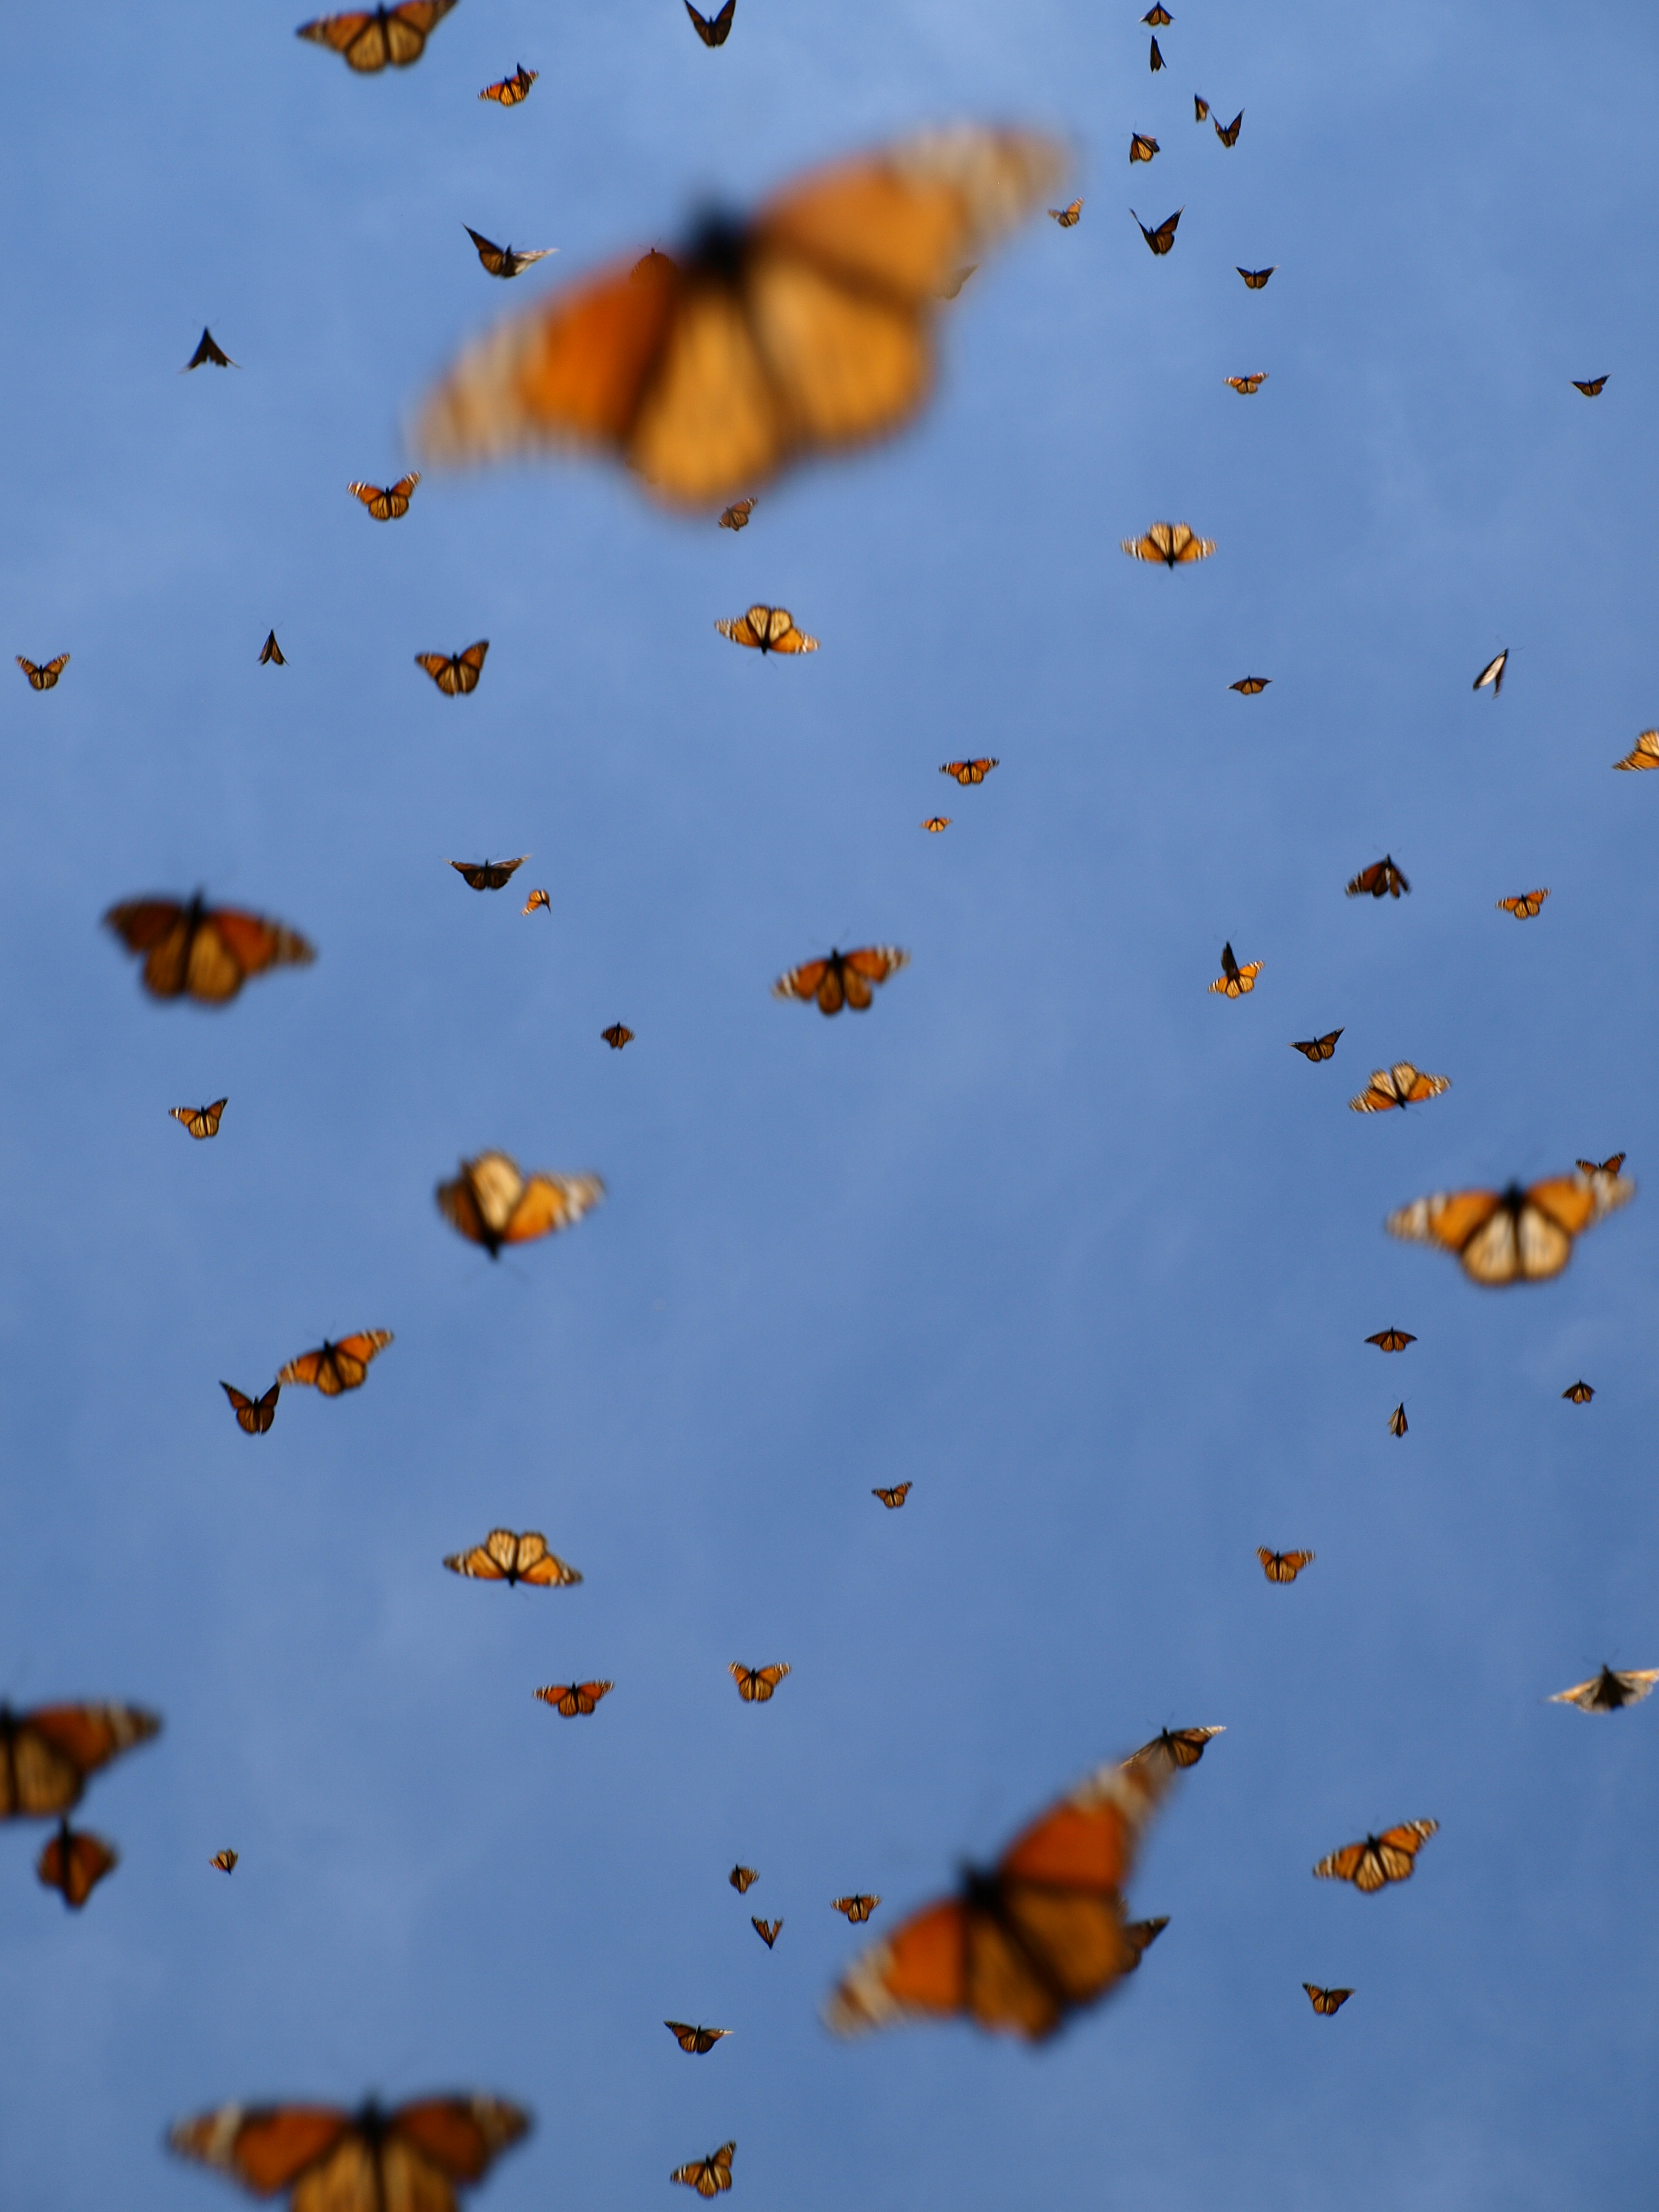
x,y
716,245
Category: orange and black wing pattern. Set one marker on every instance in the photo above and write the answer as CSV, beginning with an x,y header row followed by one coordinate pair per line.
x,y
1282,1567
47,1755
857,1907
1580,1393
412,2158
1591,387
1399,1086
194,951
1383,879
388,502
1608,1167
768,629
1247,387
1325,2001
43,675
491,875
508,91
1316,1049
536,898
370,38
842,979
270,652
1608,1691
1174,544
1068,217
570,1700
1161,239
1141,148
253,1415
766,1930
455,674
741,1877
1373,1864
492,1204
332,1368
225,1860
1172,1750
1513,1235
713,30
1252,687
618,1035
200,1121
1256,278
695,2040
1392,1340
756,1683
1397,1424
1524,905
708,2176
736,517
74,1862
969,771
893,1498
1229,135
1234,981
504,1557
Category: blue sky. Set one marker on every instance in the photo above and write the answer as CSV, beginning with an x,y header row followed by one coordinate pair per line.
x,y
1083,1252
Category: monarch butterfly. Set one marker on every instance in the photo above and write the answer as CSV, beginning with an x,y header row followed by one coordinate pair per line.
x,y
1141,149
491,1203
1247,385
708,2175
950,287
370,2161
1525,906
506,261
696,2041
1158,17
893,1498
1513,1235
74,1862
225,1860
570,1698
1256,278
769,629
1580,1393
1234,981
1251,685
1230,136
204,952
935,823
736,517
1172,1749
1025,1943
1155,60
1493,673
208,349
387,502
969,771
369,40
455,672
618,1035
1379,1860
47,1755
536,898
842,979
43,677
1382,879
1319,1048
331,1367
1392,1340
1398,1423
1171,542
1401,1085
856,1908
487,875
1161,239
1200,108
713,30
1327,2000
504,1558
741,1877
1282,1566
270,651
766,1930
510,90
1643,754
1608,1167
756,1683
201,1121
1606,1692
807,327
253,1415
1592,390
1067,217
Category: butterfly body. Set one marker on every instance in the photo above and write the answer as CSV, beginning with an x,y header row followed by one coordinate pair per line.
x,y
1067,217
1379,1860
618,1035
332,1368
504,1557
455,673
969,771
856,1908
893,1498
1229,136
736,517
842,979
1580,1392
1251,686
742,1878
370,39
935,823
1513,1235
1141,149
768,629
253,1415
225,1860
203,952
1391,1339
1397,1424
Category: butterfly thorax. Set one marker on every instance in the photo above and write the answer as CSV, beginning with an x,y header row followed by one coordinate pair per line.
x,y
717,249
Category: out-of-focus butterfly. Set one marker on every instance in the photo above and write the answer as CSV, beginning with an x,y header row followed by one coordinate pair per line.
x,y
1282,1566
1608,1167
1525,906
506,261
370,38
508,91
201,951
43,675
856,1908
736,517
1158,17
46,1755
766,1930
208,349
1580,1393
1401,1085
487,875
333,1367
618,1035
950,286
1319,1047
1606,1692
1171,542
504,1558
1592,388
1161,239
708,2175
1643,754
696,2041
935,823
536,898
200,1121
1155,60
756,1683
253,1415
1247,385
741,1877
1067,217
768,629
969,771
1493,673
1173,1749
1200,107
1251,686
1256,278
455,672
225,1860
1373,1864
1398,1423
1025,1943
1382,879
842,979
1230,136
1141,149
1234,981
808,328
412,2158
1325,2001
1392,1340
713,30
74,1862
570,1698
1513,1235
893,1498
492,1204
387,502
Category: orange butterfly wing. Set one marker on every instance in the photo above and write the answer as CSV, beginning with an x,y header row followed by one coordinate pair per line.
x,y
551,1202
74,1862
741,1877
266,2148
802,982
47,1755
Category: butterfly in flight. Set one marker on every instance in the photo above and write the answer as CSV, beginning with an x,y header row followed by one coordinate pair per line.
x,y
1513,1235
508,91
1373,1864
807,328
1592,389
332,1368
1608,1167
736,517
1398,1423
455,673
225,1860
1161,239
766,1930
1392,1340
412,2158
1382,879
708,2175
1158,17
1173,1749
47,1755
1256,278
1525,906
42,676
856,1908
570,1698
1234,981
506,261
893,1498
1251,686
372,38
253,1415
950,287
270,651
1319,1047
1493,673
741,1877
1068,217
768,629
492,1204
504,1558
1141,149
618,1035
1171,542
201,951
1230,136
756,1683
1401,1085
1325,2001
1200,107
842,979
935,823
536,898
1154,59
1579,1392
696,2041
208,349
201,1121
969,771
1606,1692
713,30
74,1862
487,875
387,502
1643,754
1282,1566
1247,385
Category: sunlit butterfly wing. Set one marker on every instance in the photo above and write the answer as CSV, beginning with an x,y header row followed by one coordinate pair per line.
x,y
893,1498
492,1204
1399,1086
756,1683
766,1930
387,502
1579,1392
1172,1749
768,629
1325,2001
332,1368
1247,385
208,350
47,1755
1397,1424
713,30
508,91
225,1860
1513,1235
373,39
1234,981
1251,685
1171,542
741,1877
74,1862
253,1415
1608,1167
843,978
1493,673
1592,388
1608,1691
1230,136
504,1557
1141,149
1392,1340
1161,239
969,771
736,517
1525,906
1382,879
1643,754
618,1035
708,2175
696,2041
571,1698
455,673
1256,278
206,953
855,1908
270,652
1200,108
505,261
43,677
1282,1566
1371,1865
536,898
1319,1048
1067,217
202,1121
934,823
410,2160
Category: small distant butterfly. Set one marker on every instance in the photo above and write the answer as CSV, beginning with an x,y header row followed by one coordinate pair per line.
x,y
708,2175
1644,754
742,1878
488,875
1256,278
1247,385
1327,2000
1158,17
756,1683
208,350
1155,60
1200,108
1066,217
74,1862
44,676
200,1121
1371,1865
1580,1393
766,1930
1525,906
618,1035
1493,673
201,951
713,30
455,673
1398,1423
935,823
1141,149
1230,136
225,1860
696,2041
893,1498
570,1698
1392,1340
1234,981
1608,1167
506,261
1401,1085
1592,390
336,1367
969,771
1382,879
504,1558
951,286
1171,542
769,629
253,1415
373,39
1319,1047
1513,1235
736,517
855,1908
387,502
1173,1750
842,979
270,651
1282,1566
1161,239
1606,1692
508,91
536,898
490,1202
1251,686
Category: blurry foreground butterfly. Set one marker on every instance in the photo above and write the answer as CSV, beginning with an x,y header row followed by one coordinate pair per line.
x,y
201,951
225,1860
1256,278
387,502
455,672
1234,981
1025,1943
1493,673
1160,17
510,90
618,1035
47,1755
1579,1392
1606,1692
491,1203
1141,149
842,979
331,1367
253,1415
950,287
1251,686
741,1877
536,898
1525,906
1163,237
1379,1860
1513,1235
1230,136
74,1862
1327,2000
1397,1424
1154,59
713,30
570,1698
200,1121
969,771
1172,1749
1200,107
807,329
893,1498
1067,217
1282,1566
487,875
935,823
766,1930
1382,879
736,517
768,629
504,1558
370,39
1171,542
1247,385
1643,754
412,2158
1608,1167
856,1908
208,350
1401,1085
708,2175
506,261
1592,389
42,676
696,2041
1319,1048
270,651
756,1683
1392,1340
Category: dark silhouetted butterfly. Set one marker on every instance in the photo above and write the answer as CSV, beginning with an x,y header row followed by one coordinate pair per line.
x,y
270,651
1401,1085
1256,278
1580,1393
708,2175
487,875
504,1558
411,2158
1513,1235
42,676
696,2041
200,1121
1163,237
1391,1856
713,30
1251,685
1155,60
1392,1340
768,629
1141,149
893,1498
570,1698
332,1368
208,350
74,1862
1171,542
756,1683
201,951
372,38
1525,906
842,979
387,502
1606,1692
47,1755
506,261
1319,1048
618,1035
1493,673
1230,136
1234,981
1382,879
253,1415
1282,1566
492,1204
455,672
508,91
1592,389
